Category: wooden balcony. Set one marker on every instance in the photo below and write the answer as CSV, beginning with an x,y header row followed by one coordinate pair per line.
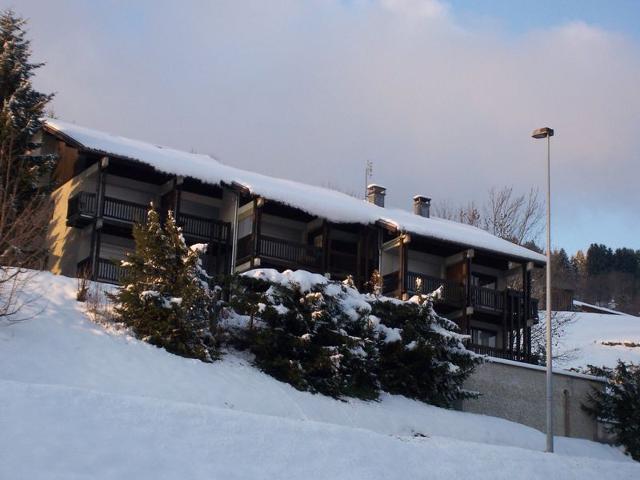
x,y
204,229
294,254
81,209
515,355
108,271
486,300
285,253
342,263
453,293
83,206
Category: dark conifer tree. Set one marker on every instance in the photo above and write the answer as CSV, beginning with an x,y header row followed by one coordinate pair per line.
x,y
619,404
21,110
166,297
24,177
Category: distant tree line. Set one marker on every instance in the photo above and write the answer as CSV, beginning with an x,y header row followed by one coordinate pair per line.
x,y
601,276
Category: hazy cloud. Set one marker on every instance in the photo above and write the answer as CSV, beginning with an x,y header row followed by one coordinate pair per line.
x,y
311,90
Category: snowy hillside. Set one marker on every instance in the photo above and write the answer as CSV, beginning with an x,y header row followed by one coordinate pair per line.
x,y
600,339
81,401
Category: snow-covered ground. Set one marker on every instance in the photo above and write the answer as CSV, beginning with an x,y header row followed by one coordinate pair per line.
x,y
599,339
81,401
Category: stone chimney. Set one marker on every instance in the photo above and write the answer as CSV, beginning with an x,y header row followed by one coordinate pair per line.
x,y
422,205
375,194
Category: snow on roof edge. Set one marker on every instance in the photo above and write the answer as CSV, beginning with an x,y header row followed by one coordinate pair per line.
x,y
580,303
336,206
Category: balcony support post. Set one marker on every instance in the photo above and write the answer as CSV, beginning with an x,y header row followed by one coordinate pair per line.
x,y
404,262
469,301
97,222
258,203
326,245
528,267
359,256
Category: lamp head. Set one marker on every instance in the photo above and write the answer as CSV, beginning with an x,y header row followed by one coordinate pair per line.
x,y
543,132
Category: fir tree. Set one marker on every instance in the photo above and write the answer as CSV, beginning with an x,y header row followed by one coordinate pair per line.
x,y
166,296
619,404
21,112
308,338
428,361
25,182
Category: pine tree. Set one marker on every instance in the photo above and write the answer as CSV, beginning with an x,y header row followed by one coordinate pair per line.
x,y
166,296
619,404
428,361
308,338
21,112
25,182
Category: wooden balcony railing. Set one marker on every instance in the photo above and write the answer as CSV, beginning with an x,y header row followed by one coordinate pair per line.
x,y
203,228
487,298
108,271
517,356
390,283
342,262
453,293
84,205
294,253
124,211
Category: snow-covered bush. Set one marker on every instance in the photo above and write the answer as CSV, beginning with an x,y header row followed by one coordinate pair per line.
x,y
307,331
422,355
619,404
166,296
326,337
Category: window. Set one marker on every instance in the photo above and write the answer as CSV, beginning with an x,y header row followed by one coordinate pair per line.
x,y
486,338
485,281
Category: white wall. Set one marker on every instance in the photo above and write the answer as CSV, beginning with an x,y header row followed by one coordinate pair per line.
x,y
131,190
283,228
494,272
114,248
199,205
426,264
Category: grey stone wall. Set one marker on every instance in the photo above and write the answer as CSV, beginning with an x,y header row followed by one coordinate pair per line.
x,y
517,392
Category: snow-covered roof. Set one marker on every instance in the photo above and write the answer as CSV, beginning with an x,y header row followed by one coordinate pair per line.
x,y
579,304
322,202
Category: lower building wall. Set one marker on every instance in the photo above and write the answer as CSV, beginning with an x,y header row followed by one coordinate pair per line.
x,y
517,392
65,243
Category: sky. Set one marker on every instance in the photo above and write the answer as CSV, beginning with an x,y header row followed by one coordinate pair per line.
x,y
441,96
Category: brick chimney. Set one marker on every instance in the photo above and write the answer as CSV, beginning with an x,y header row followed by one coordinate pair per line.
x,y
375,194
422,206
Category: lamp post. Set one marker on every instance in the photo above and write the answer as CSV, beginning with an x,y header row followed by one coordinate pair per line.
x,y
547,133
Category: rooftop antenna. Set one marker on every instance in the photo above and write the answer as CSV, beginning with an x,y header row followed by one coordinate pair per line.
x,y
368,173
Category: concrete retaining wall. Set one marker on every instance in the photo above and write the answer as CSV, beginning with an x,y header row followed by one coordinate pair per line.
x,y
517,392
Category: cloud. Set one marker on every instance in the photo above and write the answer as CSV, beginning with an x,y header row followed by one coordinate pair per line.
x,y
420,8
312,90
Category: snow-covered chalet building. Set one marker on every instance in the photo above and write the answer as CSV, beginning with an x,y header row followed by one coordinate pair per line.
x,y
106,183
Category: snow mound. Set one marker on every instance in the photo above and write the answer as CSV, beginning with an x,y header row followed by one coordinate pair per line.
x,y
83,401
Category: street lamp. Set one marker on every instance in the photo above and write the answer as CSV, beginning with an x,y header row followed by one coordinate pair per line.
x,y
547,133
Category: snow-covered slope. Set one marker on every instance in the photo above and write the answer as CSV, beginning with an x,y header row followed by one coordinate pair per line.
x,y
599,339
81,401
